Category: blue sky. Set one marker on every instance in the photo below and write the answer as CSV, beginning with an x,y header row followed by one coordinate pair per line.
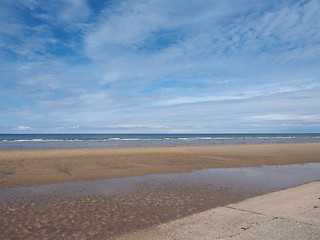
x,y
159,66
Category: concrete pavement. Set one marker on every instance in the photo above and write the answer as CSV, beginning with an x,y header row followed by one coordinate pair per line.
x,y
288,214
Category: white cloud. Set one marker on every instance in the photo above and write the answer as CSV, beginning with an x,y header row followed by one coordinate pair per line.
x,y
22,128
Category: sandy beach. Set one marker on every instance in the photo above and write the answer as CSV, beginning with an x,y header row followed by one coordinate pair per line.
x,y
121,203
52,166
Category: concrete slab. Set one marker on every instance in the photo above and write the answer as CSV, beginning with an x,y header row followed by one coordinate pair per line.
x,y
289,202
288,214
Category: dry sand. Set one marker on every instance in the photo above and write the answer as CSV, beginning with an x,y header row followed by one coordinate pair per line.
x,y
52,166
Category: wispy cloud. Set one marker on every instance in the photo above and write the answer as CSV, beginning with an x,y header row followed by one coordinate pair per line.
x,y
288,117
135,126
245,93
203,45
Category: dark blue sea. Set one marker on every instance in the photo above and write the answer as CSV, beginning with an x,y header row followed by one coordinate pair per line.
x,y
57,141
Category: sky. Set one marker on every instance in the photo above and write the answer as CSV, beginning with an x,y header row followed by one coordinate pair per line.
x,y
159,66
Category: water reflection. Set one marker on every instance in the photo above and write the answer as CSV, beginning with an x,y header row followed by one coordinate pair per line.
x,y
263,179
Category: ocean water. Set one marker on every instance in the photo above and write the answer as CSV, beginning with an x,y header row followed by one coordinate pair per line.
x,y
57,141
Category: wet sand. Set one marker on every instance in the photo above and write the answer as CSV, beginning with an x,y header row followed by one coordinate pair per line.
x,y
53,166
56,216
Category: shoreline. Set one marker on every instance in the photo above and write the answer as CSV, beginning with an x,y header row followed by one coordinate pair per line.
x,y
172,145
152,146
29,167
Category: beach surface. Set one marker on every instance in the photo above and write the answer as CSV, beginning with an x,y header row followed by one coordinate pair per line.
x,y
127,192
29,167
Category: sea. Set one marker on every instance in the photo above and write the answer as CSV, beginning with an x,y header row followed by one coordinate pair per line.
x,y
64,141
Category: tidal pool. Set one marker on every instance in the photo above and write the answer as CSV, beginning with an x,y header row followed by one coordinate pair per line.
x,y
105,208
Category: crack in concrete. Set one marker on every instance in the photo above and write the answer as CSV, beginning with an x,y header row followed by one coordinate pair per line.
x,y
247,211
237,234
248,227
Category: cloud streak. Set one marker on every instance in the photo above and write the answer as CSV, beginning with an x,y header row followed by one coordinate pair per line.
x,y
22,128
288,117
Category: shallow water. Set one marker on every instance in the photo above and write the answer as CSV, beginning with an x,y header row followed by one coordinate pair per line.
x,y
265,179
114,206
